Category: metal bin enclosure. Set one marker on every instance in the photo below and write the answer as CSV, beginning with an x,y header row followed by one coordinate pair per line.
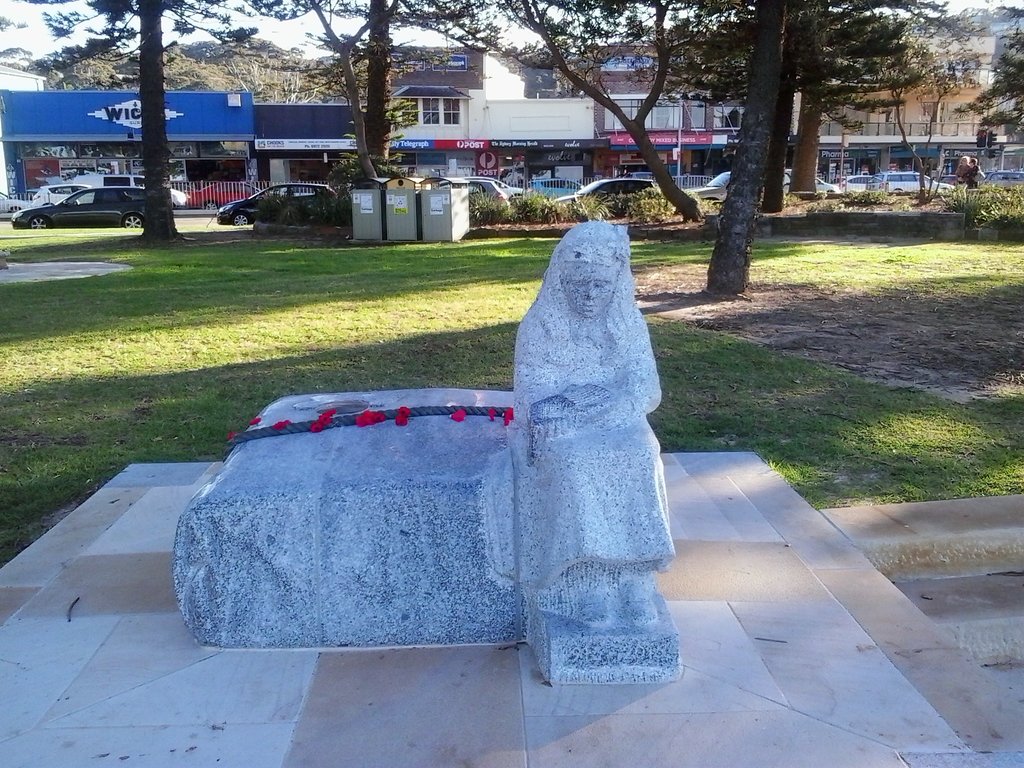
x,y
444,209
401,214
368,210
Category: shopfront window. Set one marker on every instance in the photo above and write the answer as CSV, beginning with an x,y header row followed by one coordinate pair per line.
x,y
223,149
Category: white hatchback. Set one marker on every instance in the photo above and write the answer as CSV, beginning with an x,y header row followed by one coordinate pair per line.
x,y
906,181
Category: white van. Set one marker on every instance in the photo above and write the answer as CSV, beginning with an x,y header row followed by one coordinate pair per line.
x,y
178,198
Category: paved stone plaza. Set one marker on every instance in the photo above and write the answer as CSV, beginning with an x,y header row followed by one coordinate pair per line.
x,y
796,652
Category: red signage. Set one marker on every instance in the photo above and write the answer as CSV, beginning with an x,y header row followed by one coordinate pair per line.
x,y
486,163
462,144
662,138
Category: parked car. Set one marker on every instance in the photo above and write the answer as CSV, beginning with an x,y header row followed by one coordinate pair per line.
x,y
10,204
90,207
623,185
906,181
1004,178
554,187
717,188
243,212
859,183
508,189
54,193
213,194
178,198
484,185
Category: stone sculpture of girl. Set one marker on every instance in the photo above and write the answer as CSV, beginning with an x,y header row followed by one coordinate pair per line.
x,y
590,493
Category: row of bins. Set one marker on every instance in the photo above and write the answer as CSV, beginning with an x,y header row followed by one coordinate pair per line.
x,y
400,208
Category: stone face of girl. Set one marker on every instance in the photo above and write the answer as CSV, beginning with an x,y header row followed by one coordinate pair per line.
x,y
588,288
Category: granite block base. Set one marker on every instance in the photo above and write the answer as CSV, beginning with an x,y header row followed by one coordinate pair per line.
x,y
379,536
569,651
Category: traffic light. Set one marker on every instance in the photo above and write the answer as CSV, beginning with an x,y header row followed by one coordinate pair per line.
x,y
990,139
982,138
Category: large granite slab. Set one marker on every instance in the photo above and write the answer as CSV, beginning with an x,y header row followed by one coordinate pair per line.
x,y
356,536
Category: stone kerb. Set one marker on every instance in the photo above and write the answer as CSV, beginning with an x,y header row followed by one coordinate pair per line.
x,y
375,536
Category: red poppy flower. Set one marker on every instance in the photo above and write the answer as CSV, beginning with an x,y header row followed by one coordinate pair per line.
x,y
327,415
491,413
231,436
459,415
508,416
255,421
369,418
402,416
316,426
281,424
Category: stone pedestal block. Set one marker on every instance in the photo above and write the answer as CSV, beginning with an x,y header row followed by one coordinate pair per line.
x,y
375,536
569,651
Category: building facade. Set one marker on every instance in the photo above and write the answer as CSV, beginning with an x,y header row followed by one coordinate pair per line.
x,y
50,136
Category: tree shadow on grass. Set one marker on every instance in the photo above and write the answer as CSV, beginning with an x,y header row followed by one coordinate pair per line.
x,y
827,431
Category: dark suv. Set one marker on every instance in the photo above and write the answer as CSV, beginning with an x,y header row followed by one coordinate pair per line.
x,y
93,207
243,212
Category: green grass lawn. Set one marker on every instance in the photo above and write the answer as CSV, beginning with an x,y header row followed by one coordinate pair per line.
x,y
159,362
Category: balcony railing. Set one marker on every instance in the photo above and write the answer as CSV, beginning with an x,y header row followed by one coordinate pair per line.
x,y
957,130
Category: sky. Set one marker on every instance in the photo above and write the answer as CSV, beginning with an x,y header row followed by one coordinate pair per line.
x,y
36,39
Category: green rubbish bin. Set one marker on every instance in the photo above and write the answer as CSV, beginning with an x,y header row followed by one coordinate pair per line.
x,y
401,209
368,209
444,209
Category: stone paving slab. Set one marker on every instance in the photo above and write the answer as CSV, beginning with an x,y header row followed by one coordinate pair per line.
x,y
796,653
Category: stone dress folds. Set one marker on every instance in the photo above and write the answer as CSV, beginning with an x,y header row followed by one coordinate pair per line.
x,y
596,487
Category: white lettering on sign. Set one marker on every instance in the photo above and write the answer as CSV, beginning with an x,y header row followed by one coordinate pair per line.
x,y
464,144
128,114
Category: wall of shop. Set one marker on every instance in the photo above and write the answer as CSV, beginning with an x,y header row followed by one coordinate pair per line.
x,y
55,135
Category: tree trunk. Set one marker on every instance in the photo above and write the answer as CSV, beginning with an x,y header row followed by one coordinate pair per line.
x,y
156,156
685,204
805,158
378,81
778,148
729,270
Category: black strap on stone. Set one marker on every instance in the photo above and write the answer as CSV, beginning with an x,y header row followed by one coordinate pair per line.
x,y
349,419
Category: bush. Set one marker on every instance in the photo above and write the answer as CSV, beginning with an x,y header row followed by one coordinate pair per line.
x,y
331,211
282,209
485,210
825,206
588,208
997,207
535,208
649,206
294,211
866,198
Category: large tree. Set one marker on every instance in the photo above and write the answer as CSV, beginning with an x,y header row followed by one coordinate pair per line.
x,y
135,28
729,270
579,39
1003,102
358,34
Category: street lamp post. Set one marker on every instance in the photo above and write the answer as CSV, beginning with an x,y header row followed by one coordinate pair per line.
x,y
844,142
679,142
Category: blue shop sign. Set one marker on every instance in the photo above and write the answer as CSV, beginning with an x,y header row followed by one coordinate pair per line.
x,y
412,144
56,115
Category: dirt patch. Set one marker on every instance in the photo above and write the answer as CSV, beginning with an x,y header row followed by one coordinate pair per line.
x,y
958,347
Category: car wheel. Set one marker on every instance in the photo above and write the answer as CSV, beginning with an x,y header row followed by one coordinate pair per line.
x,y
38,222
240,220
133,221
211,205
